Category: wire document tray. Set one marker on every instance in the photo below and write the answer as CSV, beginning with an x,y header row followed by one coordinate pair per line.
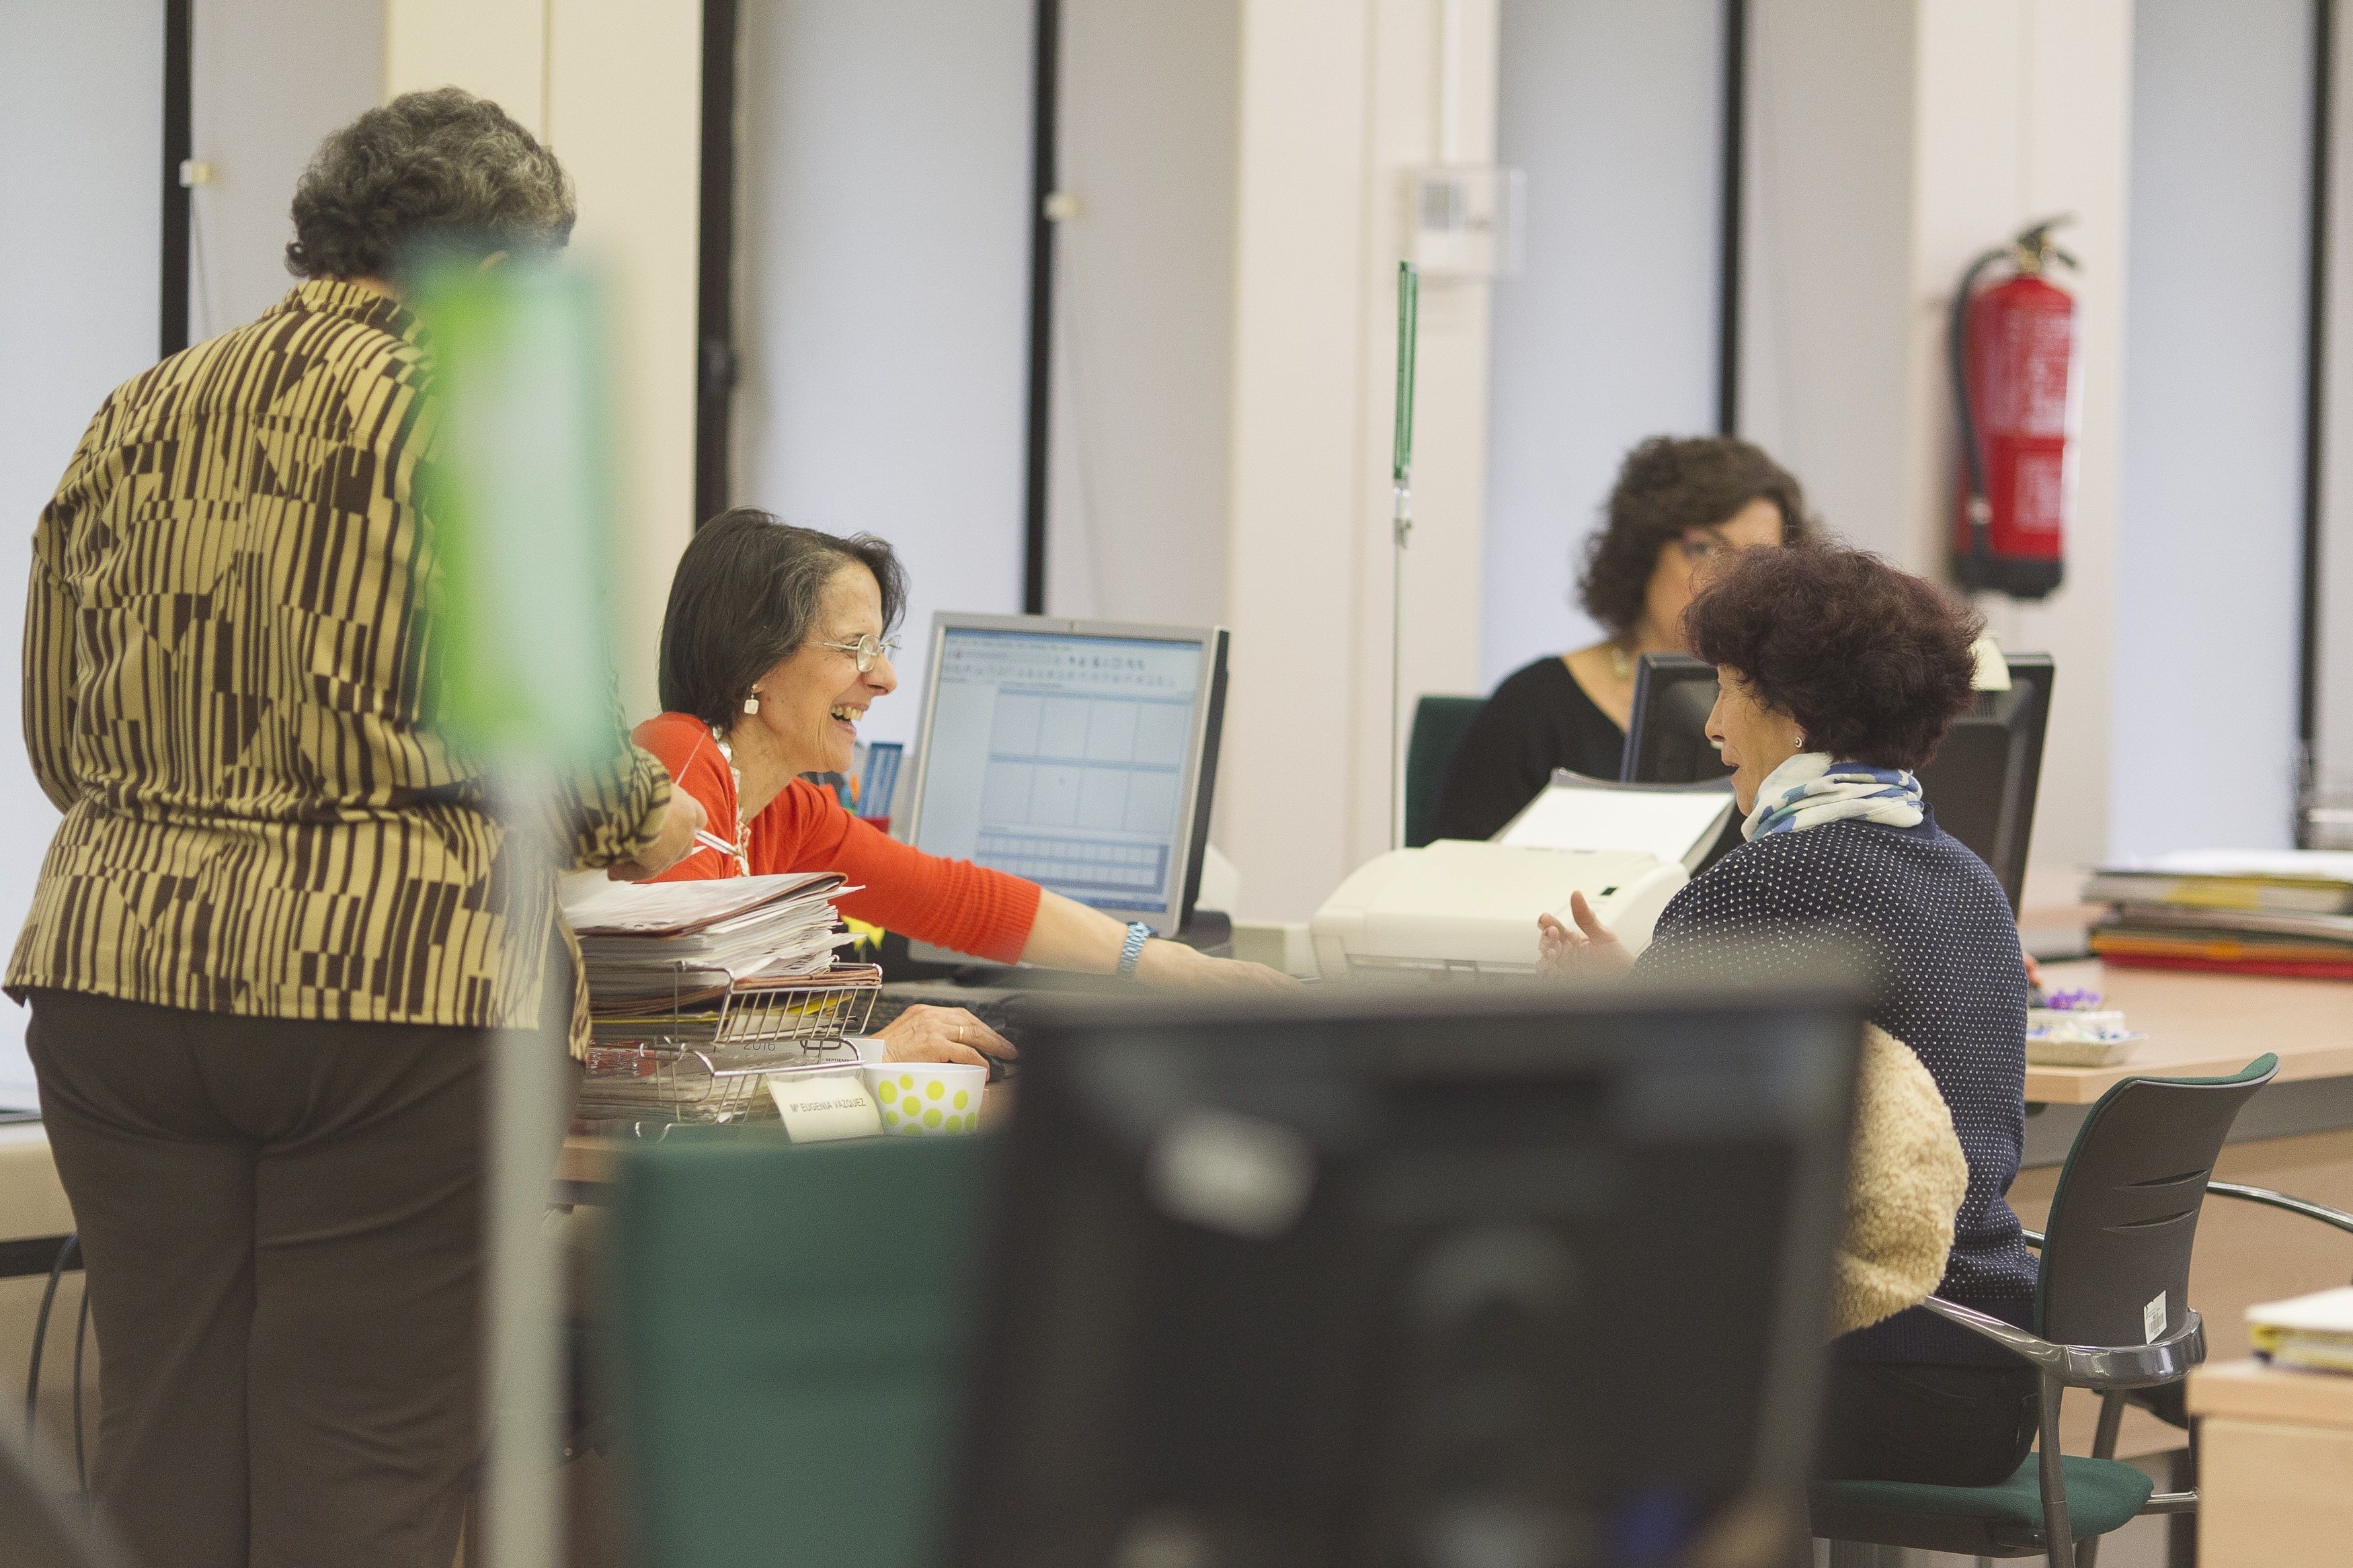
x,y
704,1053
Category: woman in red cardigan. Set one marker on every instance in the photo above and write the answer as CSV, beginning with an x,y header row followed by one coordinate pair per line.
x,y
774,645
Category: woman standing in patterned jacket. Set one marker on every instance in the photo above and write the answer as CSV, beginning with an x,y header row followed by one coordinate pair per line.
x,y
272,939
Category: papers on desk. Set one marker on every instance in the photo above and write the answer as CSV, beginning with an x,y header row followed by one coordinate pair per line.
x,y
636,937
1673,822
2312,1333
2234,910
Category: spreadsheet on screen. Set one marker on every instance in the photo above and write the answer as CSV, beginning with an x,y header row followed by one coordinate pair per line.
x,y
1061,758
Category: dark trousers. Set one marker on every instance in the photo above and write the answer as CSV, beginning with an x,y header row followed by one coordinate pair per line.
x,y
282,1224
1945,1425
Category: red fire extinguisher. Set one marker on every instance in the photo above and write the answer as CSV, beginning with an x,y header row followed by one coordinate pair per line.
x,y
2015,391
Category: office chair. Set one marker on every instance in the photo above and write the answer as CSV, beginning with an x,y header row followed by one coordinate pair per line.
x,y
791,1323
2111,1315
1439,724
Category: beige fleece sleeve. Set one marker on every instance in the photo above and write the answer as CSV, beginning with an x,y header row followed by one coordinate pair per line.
x,y
1905,1179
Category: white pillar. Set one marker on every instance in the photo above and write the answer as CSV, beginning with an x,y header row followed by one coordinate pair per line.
x,y
1888,144
1339,100
615,87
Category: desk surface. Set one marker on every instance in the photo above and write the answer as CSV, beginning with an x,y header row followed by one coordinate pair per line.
x,y
2205,1025
2250,1391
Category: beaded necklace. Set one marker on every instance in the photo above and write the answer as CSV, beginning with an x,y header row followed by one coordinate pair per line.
x,y
743,827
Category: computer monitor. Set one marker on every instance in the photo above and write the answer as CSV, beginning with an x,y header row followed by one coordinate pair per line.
x,y
1079,754
1982,780
1510,1274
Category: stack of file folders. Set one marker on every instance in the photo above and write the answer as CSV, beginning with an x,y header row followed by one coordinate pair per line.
x,y
2233,912
642,941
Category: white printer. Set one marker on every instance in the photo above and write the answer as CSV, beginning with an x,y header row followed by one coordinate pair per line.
x,y
1459,908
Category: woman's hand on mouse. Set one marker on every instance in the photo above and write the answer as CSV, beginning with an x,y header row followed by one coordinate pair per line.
x,y
1590,948
925,1034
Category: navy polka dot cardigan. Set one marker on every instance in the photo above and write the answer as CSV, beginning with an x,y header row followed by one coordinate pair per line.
x,y
1930,919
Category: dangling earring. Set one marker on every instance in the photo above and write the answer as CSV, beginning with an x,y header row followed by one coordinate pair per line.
x,y
752,703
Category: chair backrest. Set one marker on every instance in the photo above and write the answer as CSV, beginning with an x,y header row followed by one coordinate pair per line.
x,y
790,1329
2115,1251
1439,723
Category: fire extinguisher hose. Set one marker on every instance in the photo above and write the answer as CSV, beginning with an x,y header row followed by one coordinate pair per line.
x,y
1972,453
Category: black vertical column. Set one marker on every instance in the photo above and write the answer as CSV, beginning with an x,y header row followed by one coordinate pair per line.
x,y
2315,379
179,137
1046,92
715,306
1735,127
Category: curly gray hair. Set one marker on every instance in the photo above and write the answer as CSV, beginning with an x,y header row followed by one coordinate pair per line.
x,y
442,168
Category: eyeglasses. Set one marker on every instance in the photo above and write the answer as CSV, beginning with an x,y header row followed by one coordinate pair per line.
x,y
867,650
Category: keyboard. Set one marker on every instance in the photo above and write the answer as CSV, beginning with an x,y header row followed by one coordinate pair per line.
x,y
1001,1010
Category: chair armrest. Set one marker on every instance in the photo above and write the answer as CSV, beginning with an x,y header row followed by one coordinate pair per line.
x,y
2089,1366
2033,1237
2271,1199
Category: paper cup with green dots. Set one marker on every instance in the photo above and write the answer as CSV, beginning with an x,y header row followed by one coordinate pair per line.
x,y
921,1098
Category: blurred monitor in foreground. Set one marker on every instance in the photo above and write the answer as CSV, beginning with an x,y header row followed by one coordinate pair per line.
x,y
1530,1275
1982,782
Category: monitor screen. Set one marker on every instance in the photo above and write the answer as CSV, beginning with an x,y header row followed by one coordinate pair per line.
x,y
1982,782
1067,757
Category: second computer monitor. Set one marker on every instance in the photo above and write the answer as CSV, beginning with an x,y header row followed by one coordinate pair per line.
x,y
1078,754
1982,782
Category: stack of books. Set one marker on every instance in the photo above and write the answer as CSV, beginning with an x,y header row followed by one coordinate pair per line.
x,y
2310,1333
645,940
2285,911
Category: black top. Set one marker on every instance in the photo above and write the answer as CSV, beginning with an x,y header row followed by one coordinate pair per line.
x,y
1934,925
1539,719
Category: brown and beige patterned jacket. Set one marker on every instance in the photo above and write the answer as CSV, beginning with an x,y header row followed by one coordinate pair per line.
x,y
226,687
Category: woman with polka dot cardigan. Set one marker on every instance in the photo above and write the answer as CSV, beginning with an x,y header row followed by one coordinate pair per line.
x,y
1838,675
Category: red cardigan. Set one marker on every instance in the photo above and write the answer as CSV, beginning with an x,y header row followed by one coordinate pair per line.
x,y
953,903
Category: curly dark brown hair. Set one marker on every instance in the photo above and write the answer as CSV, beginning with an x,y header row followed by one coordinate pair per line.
x,y
1875,664
1666,484
441,169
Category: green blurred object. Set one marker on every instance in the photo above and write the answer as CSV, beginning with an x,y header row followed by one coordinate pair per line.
x,y
791,1329
519,496
1409,334
1439,726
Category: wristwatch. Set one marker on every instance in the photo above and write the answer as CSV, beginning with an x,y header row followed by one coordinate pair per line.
x,y
1138,934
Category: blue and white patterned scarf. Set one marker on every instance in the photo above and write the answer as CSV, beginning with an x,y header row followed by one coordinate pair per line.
x,y
1809,789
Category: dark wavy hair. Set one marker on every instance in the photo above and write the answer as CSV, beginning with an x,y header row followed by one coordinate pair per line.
x,y
439,172
745,596
1666,484
1875,664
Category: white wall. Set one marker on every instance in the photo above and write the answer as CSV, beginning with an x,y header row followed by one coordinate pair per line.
x,y
882,304
1826,269
1615,113
615,88
1143,348
270,78
2337,491
78,282
2206,572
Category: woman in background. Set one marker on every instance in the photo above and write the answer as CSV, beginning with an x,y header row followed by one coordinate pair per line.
x,y
776,642
1679,504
